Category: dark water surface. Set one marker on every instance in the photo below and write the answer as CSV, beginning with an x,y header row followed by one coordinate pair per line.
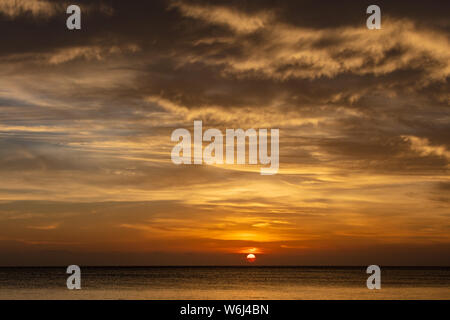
x,y
225,283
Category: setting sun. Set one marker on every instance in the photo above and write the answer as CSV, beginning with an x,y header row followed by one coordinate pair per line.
x,y
251,257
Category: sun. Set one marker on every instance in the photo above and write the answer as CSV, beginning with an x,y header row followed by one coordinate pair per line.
x,y
251,257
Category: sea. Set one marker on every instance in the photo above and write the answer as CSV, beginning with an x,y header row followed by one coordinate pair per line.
x,y
223,283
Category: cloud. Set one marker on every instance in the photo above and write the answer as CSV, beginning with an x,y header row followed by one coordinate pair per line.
x,y
236,20
47,8
45,227
282,51
424,148
14,8
89,53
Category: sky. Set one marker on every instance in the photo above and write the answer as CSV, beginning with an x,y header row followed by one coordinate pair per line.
x,y
86,118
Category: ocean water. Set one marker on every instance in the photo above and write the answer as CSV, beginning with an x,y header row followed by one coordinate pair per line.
x,y
203,283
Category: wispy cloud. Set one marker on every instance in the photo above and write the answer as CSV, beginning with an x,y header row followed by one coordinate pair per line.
x,y
424,148
13,8
44,228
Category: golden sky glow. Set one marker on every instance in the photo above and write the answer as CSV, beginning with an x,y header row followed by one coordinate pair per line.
x,y
86,119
